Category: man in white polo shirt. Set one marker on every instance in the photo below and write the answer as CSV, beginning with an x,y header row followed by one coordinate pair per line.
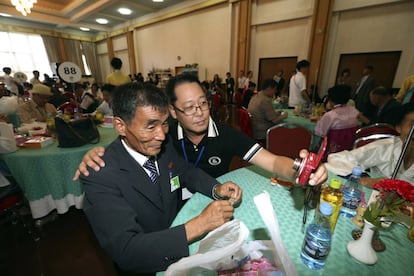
x,y
297,86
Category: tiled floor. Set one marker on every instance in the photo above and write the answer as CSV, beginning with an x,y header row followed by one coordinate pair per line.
x,y
67,245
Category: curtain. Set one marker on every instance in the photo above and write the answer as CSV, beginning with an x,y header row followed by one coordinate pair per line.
x,y
74,53
90,52
51,47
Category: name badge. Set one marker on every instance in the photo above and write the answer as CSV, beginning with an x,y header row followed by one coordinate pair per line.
x,y
175,183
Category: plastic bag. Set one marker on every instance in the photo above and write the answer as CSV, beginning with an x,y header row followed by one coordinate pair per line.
x,y
221,249
266,211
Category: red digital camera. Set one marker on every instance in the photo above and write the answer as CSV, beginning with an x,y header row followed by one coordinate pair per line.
x,y
310,163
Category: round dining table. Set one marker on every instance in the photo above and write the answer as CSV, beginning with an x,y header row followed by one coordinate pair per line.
x,y
45,174
397,259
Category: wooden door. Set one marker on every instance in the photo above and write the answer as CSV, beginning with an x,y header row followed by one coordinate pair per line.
x,y
385,66
268,67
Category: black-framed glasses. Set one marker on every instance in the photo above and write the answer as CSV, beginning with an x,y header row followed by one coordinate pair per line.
x,y
191,110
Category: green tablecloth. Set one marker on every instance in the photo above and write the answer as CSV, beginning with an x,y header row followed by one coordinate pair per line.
x,y
45,174
396,260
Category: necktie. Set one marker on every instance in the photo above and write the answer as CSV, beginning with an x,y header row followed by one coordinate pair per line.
x,y
150,165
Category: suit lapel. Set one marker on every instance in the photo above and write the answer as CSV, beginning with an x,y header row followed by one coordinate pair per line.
x,y
139,179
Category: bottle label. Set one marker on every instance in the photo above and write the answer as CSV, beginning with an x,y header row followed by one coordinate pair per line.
x,y
315,248
351,201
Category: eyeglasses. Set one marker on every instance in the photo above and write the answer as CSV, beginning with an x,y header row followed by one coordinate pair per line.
x,y
191,110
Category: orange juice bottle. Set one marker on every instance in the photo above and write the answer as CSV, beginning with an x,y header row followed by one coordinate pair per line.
x,y
333,195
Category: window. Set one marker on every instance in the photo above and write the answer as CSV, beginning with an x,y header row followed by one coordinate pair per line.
x,y
24,53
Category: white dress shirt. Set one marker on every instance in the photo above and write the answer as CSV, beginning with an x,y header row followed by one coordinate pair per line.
x,y
380,156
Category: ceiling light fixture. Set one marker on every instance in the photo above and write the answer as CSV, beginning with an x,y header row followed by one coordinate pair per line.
x,y
157,1
5,14
84,29
124,11
23,6
102,21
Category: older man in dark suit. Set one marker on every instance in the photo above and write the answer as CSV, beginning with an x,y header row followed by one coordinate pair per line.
x,y
131,202
365,86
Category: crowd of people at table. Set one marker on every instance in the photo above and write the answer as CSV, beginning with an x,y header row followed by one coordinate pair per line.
x,y
170,146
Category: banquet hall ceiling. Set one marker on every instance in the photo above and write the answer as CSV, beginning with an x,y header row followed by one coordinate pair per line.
x,y
66,15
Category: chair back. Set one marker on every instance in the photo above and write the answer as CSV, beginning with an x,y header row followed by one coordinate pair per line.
x,y
373,132
288,139
245,121
340,139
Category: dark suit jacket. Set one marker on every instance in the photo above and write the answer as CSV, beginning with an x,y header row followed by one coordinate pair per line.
x,y
362,101
388,114
131,217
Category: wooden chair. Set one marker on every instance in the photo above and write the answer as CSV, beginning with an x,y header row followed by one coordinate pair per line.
x,y
288,139
245,121
373,132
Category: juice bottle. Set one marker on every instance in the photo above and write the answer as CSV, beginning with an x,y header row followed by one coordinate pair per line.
x,y
333,195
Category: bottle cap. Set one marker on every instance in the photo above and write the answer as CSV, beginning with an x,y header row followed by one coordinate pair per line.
x,y
357,171
335,183
326,209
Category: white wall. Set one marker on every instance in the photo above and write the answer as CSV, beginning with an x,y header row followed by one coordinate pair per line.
x,y
200,37
279,29
120,45
387,27
284,39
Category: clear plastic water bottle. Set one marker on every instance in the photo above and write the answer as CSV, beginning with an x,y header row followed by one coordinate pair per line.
x,y
351,194
318,236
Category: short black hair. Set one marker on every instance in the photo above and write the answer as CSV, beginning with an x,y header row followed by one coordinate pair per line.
x,y
177,80
269,83
339,94
128,97
302,64
116,63
109,88
403,111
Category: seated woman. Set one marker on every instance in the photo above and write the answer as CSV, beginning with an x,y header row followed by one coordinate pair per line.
x,y
341,116
381,155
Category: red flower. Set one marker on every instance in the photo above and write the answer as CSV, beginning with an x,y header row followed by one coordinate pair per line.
x,y
403,188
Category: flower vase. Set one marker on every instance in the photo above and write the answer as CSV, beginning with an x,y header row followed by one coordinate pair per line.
x,y
361,249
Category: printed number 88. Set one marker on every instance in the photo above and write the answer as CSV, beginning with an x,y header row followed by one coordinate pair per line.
x,y
71,70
